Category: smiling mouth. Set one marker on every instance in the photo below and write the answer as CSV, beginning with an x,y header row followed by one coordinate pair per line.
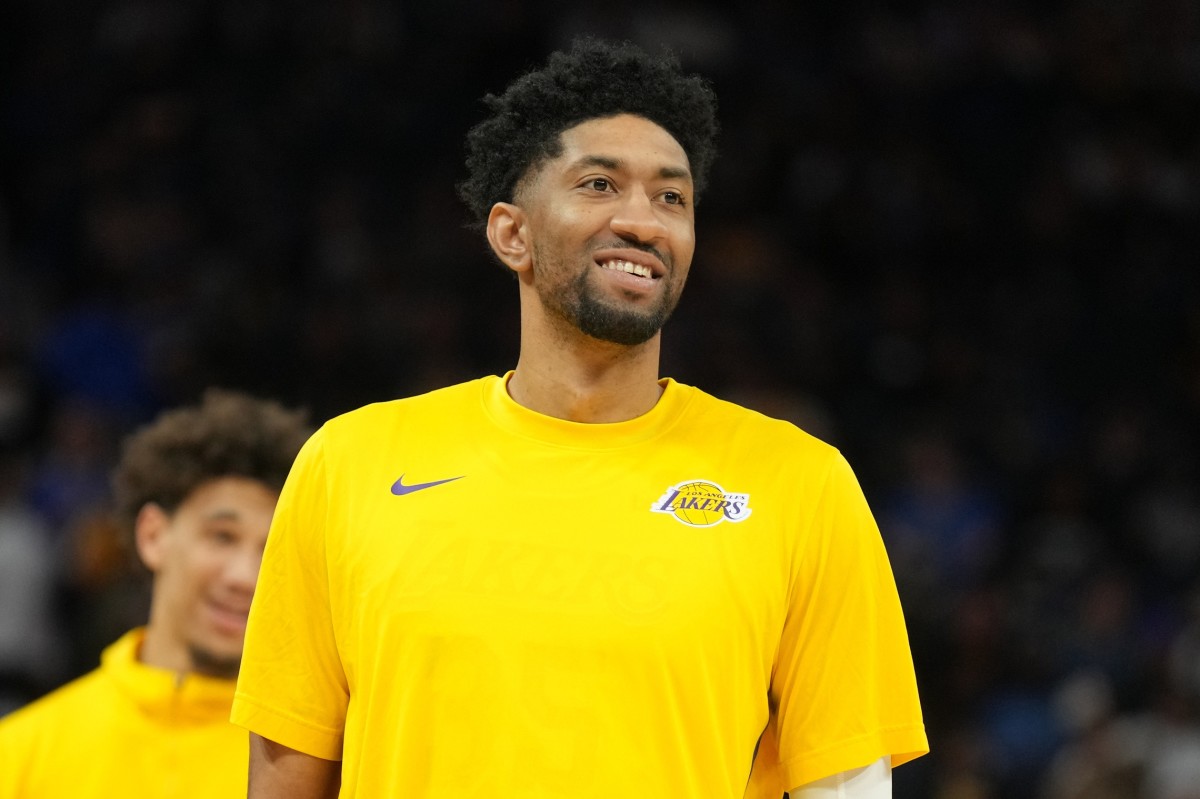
x,y
628,267
227,617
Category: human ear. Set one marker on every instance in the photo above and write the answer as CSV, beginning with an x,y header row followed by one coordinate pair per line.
x,y
506,233
150,533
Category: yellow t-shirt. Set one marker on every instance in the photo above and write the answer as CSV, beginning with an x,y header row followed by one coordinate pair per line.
x,y
125,730
461,597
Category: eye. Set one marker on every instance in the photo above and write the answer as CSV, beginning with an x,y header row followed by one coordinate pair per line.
x,y
673,198
599,184
223,537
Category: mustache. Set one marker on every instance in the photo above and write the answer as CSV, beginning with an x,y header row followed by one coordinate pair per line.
x,y
625,244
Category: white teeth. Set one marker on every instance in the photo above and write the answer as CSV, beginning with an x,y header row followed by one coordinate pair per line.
x,y
626,266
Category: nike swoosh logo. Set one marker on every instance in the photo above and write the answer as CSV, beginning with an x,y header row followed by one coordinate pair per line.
x,y
400,489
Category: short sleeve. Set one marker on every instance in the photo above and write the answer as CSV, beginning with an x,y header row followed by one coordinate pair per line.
x,y
292,688
843,692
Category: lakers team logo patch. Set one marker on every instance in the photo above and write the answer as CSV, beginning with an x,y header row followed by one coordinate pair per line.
x,y
699,503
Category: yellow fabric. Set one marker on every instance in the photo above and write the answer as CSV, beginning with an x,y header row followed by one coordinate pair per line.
x,y
584,610
125,730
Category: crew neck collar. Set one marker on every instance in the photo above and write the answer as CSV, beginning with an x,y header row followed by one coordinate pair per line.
x,y
519,420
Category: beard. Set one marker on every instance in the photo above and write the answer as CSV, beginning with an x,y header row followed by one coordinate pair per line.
x,y
580,303
224,667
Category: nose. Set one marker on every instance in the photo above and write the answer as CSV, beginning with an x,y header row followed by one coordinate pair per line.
x,y
636,219
241,571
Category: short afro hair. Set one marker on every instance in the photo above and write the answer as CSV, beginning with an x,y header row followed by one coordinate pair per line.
x,y
594,80
229,434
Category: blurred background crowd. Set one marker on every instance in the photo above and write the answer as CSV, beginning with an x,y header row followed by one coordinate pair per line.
x,y
958,240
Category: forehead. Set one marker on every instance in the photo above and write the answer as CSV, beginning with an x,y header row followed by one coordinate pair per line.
x,y
633,140
230,497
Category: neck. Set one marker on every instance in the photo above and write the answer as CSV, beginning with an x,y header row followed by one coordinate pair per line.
x,y
592,381
159,649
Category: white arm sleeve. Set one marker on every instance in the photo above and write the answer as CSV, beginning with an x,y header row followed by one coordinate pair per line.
x,y
869,782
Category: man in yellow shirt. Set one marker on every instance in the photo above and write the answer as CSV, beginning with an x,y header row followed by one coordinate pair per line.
x,y
197,487
580,579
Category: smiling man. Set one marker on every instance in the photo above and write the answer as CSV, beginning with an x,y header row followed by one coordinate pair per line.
x,y
197,489
578,579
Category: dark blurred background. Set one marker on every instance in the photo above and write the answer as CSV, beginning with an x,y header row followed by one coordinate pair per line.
x,y
956,240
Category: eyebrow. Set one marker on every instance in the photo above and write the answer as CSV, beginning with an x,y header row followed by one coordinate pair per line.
x,y
608,162
222,514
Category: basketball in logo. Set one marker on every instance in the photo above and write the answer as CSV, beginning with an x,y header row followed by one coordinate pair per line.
x,y
709,513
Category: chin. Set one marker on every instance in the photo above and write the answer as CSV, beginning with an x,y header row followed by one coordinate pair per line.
x,y
618,326
216,661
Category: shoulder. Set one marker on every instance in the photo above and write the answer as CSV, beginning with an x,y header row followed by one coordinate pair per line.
x,y
354,434
69,703
746,427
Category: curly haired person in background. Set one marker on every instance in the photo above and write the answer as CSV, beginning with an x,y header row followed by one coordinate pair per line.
x,y
197,488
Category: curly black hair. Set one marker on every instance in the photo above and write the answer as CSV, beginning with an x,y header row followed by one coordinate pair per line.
x,y
594,80
229,434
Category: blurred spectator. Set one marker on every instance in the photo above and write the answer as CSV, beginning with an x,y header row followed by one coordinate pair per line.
x,y
1103,758
941,528
31,655
71,477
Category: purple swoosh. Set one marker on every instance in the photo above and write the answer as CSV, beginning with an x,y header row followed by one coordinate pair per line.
x,y
400,489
